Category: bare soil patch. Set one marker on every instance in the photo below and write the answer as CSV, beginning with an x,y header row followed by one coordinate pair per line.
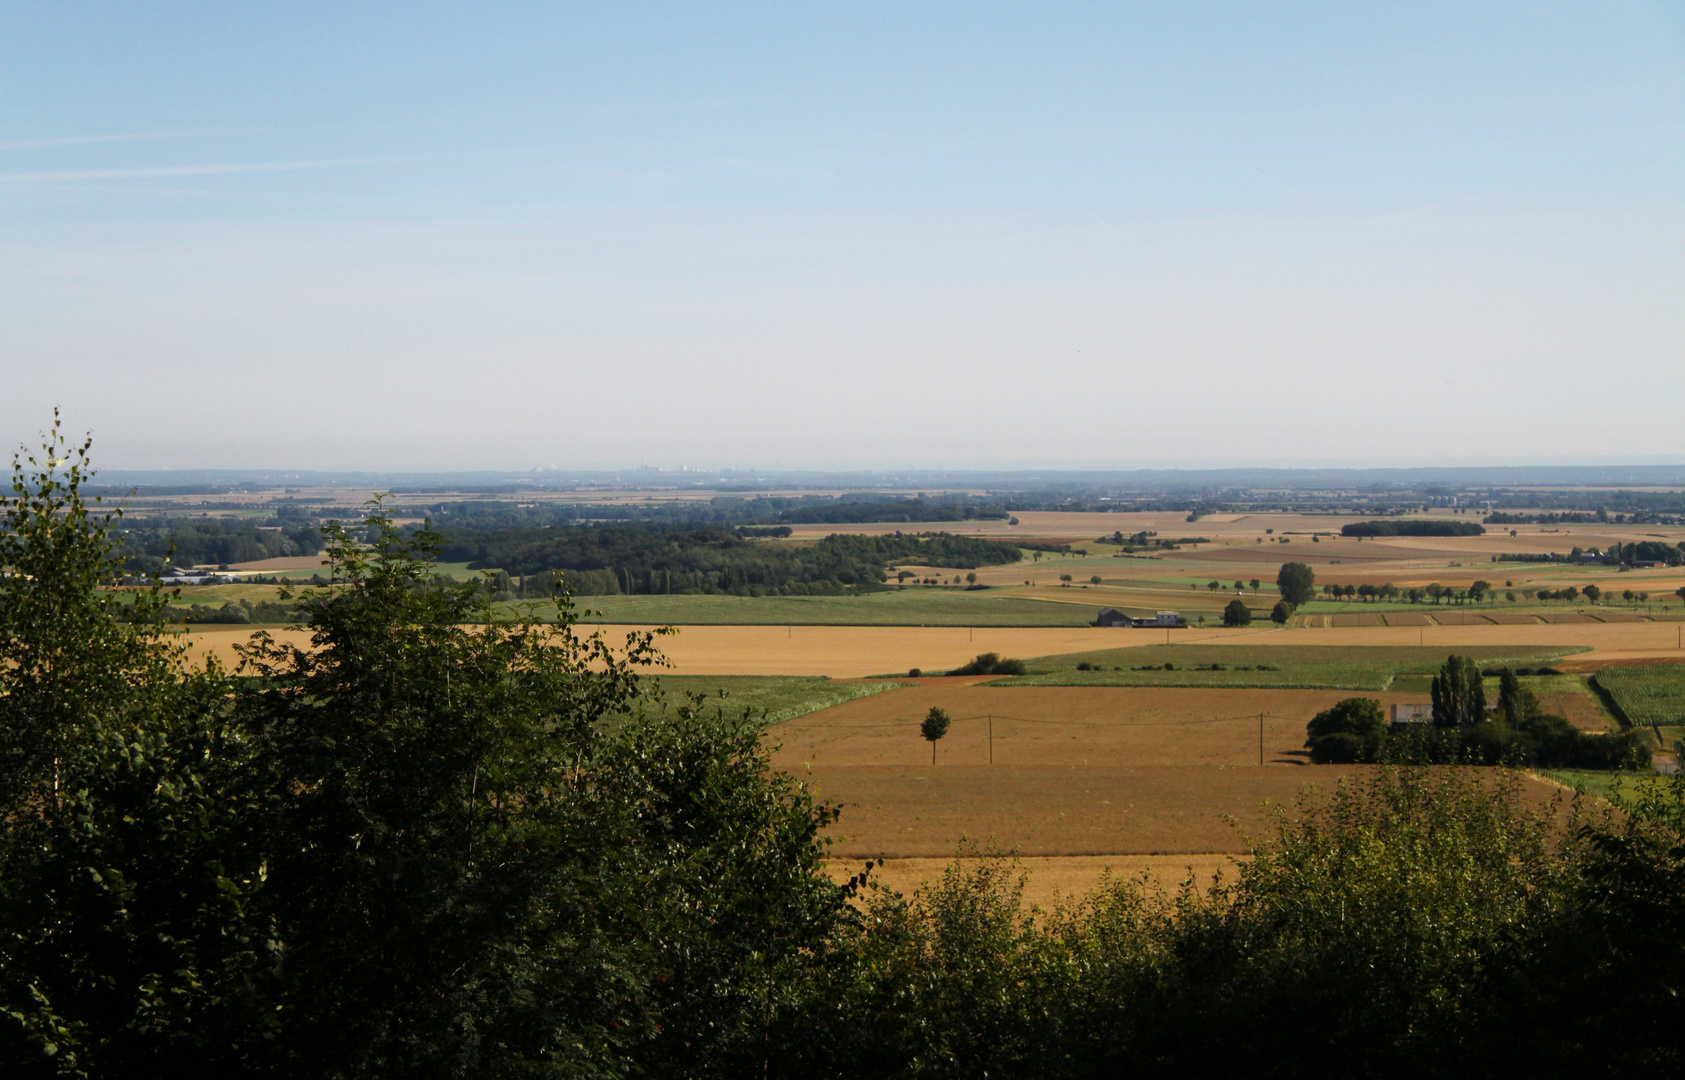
x,y
904,811
1460,618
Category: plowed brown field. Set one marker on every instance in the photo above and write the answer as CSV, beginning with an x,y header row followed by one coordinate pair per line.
x,y
903,811
1061,725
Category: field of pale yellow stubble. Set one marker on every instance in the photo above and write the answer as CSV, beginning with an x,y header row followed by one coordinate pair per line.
x,y
857,651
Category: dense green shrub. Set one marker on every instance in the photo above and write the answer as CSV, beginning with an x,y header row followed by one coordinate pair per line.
x,y
990,664
1417,527
1353,730
606,559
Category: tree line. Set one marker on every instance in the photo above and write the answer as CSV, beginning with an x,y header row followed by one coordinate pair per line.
x,y
1412,527
852,513
151,544
599,559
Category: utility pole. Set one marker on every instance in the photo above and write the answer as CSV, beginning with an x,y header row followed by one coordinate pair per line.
x,y
991,738
1260,738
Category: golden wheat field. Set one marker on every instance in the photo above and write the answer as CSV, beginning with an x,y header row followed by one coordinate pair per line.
x,y
858,651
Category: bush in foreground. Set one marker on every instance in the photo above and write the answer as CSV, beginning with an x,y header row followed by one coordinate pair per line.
x,y
412,849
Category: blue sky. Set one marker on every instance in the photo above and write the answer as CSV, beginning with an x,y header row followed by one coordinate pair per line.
x,y
441,236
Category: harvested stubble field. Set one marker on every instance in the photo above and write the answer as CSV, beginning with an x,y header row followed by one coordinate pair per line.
x,y
916,811
1052,880
906,811
1059,726
858,651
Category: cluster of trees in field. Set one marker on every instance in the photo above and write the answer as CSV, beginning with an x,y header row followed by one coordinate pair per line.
x,y
1411,528
1147,540
1613,555
152,544
603,559
990,664
1518,732
426,850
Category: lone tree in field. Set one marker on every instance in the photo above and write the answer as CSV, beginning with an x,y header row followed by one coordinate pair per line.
x,y
1237,614
1253,584
1297,583
935,726
1281,612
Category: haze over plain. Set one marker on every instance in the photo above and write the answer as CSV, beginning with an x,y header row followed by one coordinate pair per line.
x,y
862,236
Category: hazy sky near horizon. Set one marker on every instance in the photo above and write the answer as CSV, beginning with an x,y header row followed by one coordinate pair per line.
x,y
881,235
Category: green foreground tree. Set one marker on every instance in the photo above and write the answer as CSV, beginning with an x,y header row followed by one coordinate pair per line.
x,y
412,847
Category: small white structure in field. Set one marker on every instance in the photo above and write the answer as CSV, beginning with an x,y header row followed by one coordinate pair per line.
x,y
1412,714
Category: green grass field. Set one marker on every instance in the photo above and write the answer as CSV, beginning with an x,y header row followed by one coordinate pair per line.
x,y
1333,667
1613,786
770,699
910,607
1650,694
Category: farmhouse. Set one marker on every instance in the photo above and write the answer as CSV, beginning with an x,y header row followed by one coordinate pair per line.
x,y
1114,617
